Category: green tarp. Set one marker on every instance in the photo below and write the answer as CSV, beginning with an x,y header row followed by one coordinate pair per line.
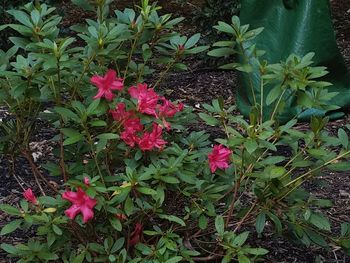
x,y
299,27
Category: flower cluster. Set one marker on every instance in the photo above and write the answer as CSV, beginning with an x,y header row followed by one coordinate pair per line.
x,y
148,103
134,132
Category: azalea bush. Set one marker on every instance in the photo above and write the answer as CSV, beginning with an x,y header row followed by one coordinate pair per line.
x,y
139,183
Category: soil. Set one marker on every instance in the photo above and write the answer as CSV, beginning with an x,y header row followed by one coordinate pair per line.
x,y
200,85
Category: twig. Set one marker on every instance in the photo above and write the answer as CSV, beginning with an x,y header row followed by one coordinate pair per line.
x,y
240,223
232,206
37,173
206,259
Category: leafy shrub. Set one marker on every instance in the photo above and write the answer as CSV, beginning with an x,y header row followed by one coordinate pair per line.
x,y
127,157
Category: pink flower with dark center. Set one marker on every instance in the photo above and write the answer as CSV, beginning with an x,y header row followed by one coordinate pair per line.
x,y
219,158
152,140
29,196
81,203
107,84
135,236
119,114
147,99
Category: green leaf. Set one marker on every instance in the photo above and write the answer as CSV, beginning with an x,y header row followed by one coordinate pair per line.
x,y
193,40
339,167
243,259
220,225
118,245
173,218
9,228
92,107
273,95
239,240
203,222
273,160
224,27
257,251
108,136
316,238
10,210
66,114
9,248
57,230
116,224
79,259
146,190
260,223
343,137
251,145
320,221
221,52
129,206
210,120
74,139
169,179
174,259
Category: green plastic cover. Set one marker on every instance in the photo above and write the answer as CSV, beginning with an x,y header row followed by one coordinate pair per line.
x,y
299,27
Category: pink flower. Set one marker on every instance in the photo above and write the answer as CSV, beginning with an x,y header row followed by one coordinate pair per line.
x,y
129,137
29,196
133,125
86,181
219,158
81,203
147,99
119,114
168,109
152,140
107,84
135,235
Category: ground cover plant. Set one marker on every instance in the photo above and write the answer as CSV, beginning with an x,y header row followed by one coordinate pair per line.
x,y
126,153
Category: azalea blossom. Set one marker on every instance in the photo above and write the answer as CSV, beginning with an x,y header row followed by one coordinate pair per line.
x,y
29,196
152,140
119,114
168,109
147,99
107,84
135,236
86,181
129,137
133,125
219,158
81,203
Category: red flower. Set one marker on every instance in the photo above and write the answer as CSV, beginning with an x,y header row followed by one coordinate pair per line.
x,y
107,84
168,109
129,137
119,114
86,181
152,140
147,99
133,125
219,158
135,235
29,196
81,203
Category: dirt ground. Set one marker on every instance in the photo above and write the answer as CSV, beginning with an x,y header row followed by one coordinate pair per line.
x,y
200,85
